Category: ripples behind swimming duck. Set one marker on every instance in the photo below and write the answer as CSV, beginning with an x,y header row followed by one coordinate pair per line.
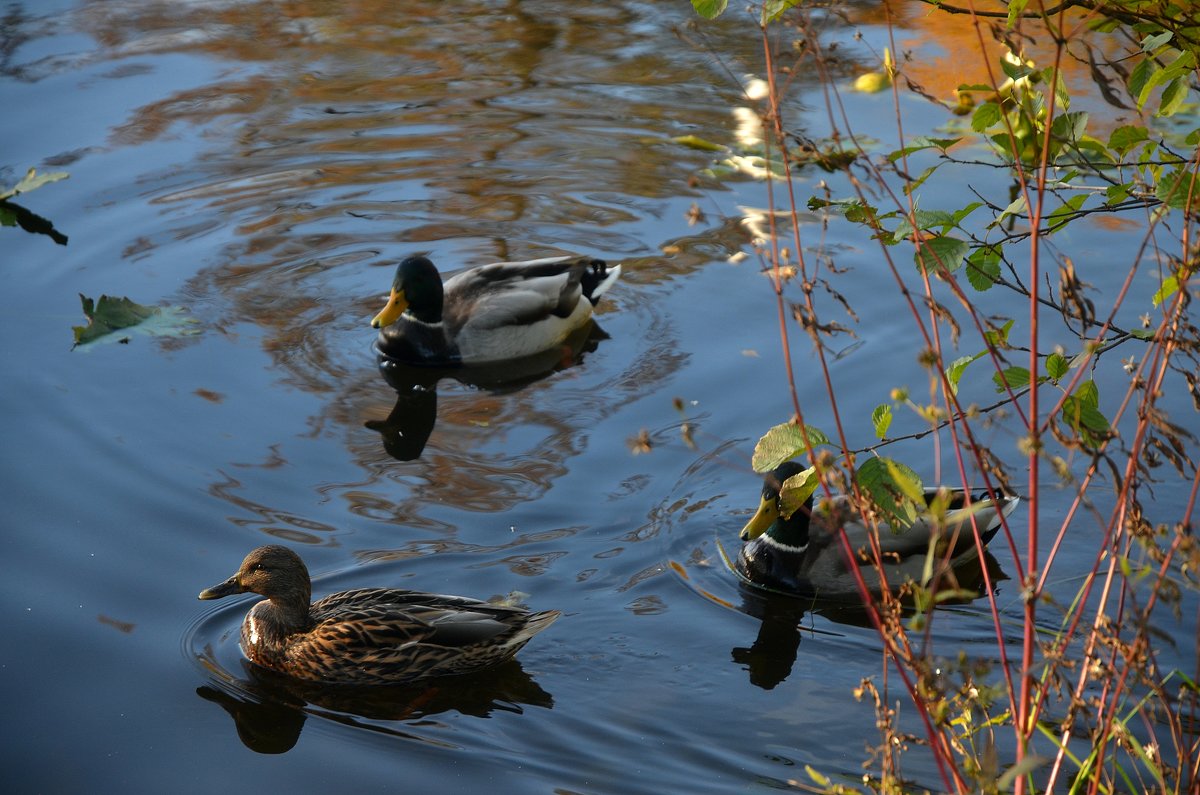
x,y
369,635
802,556
491,313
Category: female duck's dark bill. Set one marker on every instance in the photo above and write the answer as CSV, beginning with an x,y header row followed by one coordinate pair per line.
x,y
768,512
228,588
396,305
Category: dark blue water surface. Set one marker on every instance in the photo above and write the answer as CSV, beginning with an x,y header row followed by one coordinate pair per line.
x,y
262,165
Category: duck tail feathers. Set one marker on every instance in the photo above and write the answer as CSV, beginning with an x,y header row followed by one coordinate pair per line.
x,y
598,278
534,624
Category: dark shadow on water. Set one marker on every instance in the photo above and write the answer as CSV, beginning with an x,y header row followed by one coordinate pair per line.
x,y
410,423
770,658
270,709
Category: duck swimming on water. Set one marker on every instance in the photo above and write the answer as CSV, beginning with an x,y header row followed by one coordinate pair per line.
x,y
369,635
801,554
491,313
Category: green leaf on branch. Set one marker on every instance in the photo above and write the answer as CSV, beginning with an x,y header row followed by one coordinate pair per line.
x,y
1056,366
983,268
710,9
1081,414
894,488
955,370
881,418
1178,188
985,117
783,443
921,143
1169,287
1011,378
941,252
796,490
1066,212
773,9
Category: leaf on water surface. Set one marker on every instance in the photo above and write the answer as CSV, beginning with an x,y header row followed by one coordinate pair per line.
x,y
696,142
108,314
32,181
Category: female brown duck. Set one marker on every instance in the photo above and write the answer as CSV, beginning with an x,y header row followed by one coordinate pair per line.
x,y
369,635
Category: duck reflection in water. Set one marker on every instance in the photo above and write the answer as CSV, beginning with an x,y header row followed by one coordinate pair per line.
x,y
769,659
408,427
270,709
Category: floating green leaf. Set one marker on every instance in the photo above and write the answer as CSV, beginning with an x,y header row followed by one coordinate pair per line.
x,y
108,314
32,181
783,443
696,142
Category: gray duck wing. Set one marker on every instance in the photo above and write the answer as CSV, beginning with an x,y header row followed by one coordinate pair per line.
x,y
509,294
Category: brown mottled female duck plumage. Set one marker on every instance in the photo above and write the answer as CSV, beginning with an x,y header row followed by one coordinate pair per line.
x,y
369,635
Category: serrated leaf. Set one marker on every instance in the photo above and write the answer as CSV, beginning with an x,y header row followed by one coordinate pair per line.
x,y
894,488
1012,378
1089,393
1015,9
881,418
1170,286
983,268
1015,207
1056,366
1126,137
941,252
783,443
1172,97
1176,188
773,9
921,143
795,491
985,117
955,370
1115,194
1066,212
998,337
710,9
1085,418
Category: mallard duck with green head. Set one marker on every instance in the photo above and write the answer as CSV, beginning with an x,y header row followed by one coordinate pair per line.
x,y
370,635
800,553
491,313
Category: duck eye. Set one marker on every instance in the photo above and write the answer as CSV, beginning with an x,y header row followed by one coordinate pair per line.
x,y
257,567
